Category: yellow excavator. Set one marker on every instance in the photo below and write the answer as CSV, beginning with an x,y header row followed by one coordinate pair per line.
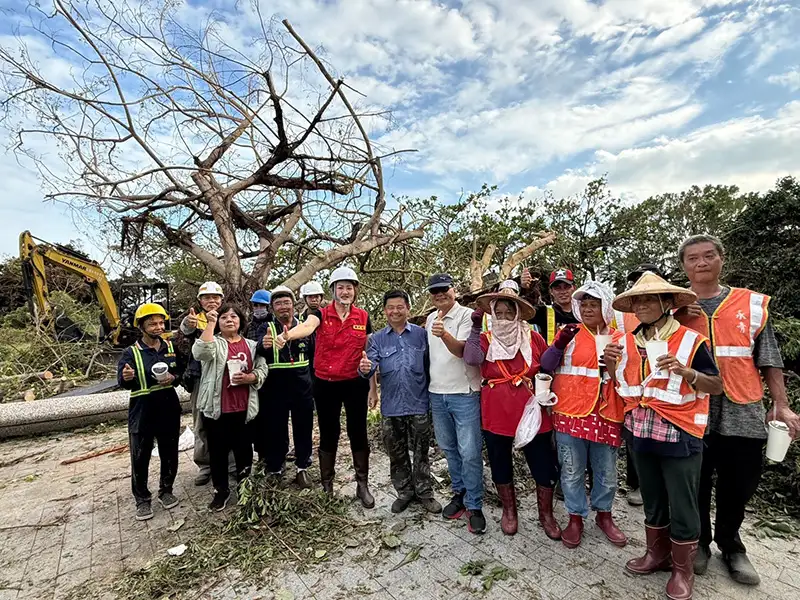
x,y
116,328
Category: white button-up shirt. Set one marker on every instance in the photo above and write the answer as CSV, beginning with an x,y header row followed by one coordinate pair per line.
x,y
449,373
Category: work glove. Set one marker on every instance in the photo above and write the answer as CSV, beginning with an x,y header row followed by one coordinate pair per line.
x,y
477,318
565,336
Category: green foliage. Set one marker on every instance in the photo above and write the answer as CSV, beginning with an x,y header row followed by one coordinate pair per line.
x,y
271,525
788,333
652,230
763,246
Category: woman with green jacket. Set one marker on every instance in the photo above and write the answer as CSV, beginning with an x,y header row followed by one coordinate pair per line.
x,y
232,373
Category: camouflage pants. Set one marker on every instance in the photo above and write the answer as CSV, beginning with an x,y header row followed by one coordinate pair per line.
x,y
401,434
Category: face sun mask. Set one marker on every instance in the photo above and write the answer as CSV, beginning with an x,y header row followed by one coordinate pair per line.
x,y
260,313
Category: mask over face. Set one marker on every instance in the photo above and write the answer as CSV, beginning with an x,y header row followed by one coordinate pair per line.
x,y
260,313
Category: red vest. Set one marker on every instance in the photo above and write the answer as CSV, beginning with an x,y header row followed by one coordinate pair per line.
x,y
670,395
736,324
339,344
577,382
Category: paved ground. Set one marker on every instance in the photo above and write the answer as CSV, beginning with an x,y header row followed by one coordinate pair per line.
x,y
61,526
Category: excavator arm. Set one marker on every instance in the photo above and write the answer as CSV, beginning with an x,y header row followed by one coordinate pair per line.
x,y
34,256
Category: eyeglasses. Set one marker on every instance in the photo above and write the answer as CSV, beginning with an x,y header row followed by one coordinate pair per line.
x,y
439,290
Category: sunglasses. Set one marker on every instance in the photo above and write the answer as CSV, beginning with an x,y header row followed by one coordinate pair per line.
x,y
439,290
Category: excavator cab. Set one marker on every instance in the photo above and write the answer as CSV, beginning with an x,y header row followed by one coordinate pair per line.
x,y
116,328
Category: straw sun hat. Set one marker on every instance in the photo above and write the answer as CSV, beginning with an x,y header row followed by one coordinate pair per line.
x,y
650,283
524,308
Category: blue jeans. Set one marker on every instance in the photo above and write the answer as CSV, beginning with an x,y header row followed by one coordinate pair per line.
x,y
572,456
457,425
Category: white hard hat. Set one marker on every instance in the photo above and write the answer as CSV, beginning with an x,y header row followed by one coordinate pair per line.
x,y
210,287
282,290
312,288
343,274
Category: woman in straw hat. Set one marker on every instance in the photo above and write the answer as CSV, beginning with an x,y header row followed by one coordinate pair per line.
x,y
508,356
666,411
588,416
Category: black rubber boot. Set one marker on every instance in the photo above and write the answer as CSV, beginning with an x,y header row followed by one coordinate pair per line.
x,y
327,469
361,464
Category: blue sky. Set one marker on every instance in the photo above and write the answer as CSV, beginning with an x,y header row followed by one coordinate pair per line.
x,y
533,96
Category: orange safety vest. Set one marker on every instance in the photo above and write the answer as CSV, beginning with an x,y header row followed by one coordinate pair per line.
x,y
578,385
515,379
737,322
625,322
668,394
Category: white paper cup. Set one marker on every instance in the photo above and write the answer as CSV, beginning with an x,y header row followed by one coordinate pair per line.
x,y
778,441
160,370
655,350
542,383
235,366
600,342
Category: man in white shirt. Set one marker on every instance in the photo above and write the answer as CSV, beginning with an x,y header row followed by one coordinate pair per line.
x,y
455,402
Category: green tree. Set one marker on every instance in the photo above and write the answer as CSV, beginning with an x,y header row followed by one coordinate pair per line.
x,y
763,246
651,231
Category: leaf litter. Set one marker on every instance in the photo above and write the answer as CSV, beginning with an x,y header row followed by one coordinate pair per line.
x,y
272,526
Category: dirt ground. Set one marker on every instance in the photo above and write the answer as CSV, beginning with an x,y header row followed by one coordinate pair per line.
x,y
62,526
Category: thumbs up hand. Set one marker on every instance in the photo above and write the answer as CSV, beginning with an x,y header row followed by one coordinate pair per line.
x,y
365,365
191,320
128,373
526,279
266,341
282,338
437,328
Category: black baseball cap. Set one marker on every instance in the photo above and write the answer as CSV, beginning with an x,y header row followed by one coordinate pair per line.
x,y
641,269
440,280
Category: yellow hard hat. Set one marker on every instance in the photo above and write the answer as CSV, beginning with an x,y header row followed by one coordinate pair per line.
x,y
148,310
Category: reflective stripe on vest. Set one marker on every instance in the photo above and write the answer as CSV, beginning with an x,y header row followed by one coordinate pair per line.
x,y
578,385
733,329
624,388
140,372
301,361
551,325
625,322
670,396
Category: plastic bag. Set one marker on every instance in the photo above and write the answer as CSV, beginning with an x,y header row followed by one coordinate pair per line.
x,y
185,441
531,419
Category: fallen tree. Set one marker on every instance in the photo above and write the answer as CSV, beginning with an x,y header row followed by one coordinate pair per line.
x,y
239,156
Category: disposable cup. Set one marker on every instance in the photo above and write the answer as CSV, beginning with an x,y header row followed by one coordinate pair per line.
x,y
235,366
778,441
160,370
655,350
600,342
542,383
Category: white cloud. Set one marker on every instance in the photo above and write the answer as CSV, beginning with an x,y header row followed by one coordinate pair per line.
x,y
750,152
501,89
790,79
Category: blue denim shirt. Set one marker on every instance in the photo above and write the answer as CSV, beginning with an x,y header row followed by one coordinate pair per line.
x,y
402,361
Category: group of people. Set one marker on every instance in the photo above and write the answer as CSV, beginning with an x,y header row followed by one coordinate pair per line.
x,y
691,418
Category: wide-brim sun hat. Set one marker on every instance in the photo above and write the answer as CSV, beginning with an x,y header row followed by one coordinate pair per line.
x,y
525,309
652,284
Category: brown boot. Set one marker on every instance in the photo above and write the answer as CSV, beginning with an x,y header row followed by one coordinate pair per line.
x,y
608,527
571,536
327,469
659,552
361,465
508,496
681,584
544,500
